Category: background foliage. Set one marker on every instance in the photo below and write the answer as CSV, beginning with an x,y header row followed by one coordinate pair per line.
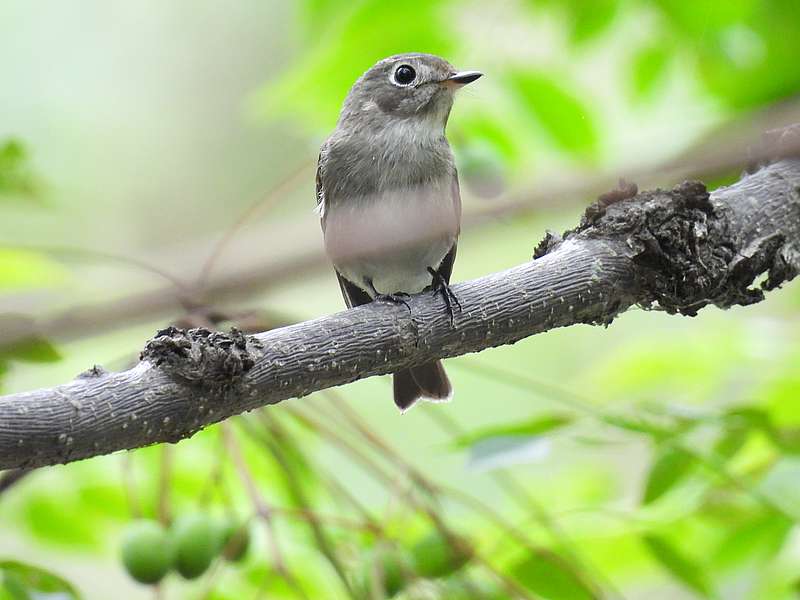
x,y
658,458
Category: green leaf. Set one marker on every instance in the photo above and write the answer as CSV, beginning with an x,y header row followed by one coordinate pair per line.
x,y
16,177
760,537
21,581
480,169
343,45
671,466
34,349
648,69
25,269
679,566
58,519
590,18
780,486
559,111
535,427
745,51
547,575
486,129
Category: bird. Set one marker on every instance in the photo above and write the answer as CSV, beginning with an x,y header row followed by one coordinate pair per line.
x,y
388,196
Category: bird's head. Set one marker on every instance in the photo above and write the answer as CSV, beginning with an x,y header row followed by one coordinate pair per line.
x,y
405,87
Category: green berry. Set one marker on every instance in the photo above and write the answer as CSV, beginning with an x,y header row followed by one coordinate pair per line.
x,y
196,541
146,551
234,539
436,555
387,570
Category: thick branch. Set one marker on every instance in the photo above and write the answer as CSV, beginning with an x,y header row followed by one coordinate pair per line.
x,y
677,250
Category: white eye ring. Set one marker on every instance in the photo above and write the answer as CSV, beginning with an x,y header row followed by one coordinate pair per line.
x,y
404,72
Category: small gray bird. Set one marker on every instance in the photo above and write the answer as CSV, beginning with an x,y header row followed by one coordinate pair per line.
x,y
387,193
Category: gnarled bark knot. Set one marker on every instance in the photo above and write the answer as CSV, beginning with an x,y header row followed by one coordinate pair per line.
x,y
685,248
201,356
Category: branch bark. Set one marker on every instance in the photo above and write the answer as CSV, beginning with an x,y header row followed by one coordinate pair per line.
x,y
726,149
676,250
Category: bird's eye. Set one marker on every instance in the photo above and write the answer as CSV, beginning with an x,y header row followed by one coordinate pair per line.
x,y
404,75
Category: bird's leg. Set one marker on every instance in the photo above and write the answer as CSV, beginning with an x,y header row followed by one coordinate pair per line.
x,y
396,298
440,286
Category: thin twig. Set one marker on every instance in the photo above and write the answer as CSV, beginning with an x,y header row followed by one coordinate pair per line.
x,y
267,202
325,546
262,508
523,499
430,489
129,485
164,481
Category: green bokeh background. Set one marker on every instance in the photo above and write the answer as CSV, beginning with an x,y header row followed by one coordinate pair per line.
x,y
664,449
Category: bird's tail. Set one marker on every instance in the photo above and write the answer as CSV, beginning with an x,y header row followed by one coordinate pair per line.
x,y
428,382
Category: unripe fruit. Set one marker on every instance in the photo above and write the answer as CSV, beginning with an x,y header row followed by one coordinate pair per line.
x,y
234,540
394,570
196,541
437,556
146,551
387,571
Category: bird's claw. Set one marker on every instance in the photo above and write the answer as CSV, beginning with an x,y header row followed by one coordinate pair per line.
x,y
397,298
440,286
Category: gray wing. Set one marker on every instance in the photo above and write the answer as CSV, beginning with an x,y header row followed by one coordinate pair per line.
x,y
320,190
446,266
353,295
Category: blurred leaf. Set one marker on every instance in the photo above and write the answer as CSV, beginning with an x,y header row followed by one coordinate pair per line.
x,y
262,577
560,112
670,467
729,444
480,169
781,395
781,484
58,519
682,568
33,349
16,178
760,537
501,452
590,18
547,575
745,50
104,500
638,424
23,269
527,429
354,38
648,69
700,16
738,424
461,589
485,129
318,13
26,582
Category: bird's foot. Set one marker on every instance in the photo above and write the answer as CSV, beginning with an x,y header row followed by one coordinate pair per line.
x,y
397,298
441,286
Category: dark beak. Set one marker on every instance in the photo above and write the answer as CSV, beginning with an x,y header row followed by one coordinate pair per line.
x,y
464,77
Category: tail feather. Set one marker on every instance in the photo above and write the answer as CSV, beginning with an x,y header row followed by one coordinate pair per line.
x,y
428,381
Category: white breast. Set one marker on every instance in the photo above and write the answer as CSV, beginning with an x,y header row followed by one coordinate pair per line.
x,y
391,238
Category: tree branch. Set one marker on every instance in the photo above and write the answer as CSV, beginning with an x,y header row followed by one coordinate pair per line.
x,y
726,149
676,250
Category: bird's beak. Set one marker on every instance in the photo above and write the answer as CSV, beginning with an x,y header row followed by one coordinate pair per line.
x,y
462,78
